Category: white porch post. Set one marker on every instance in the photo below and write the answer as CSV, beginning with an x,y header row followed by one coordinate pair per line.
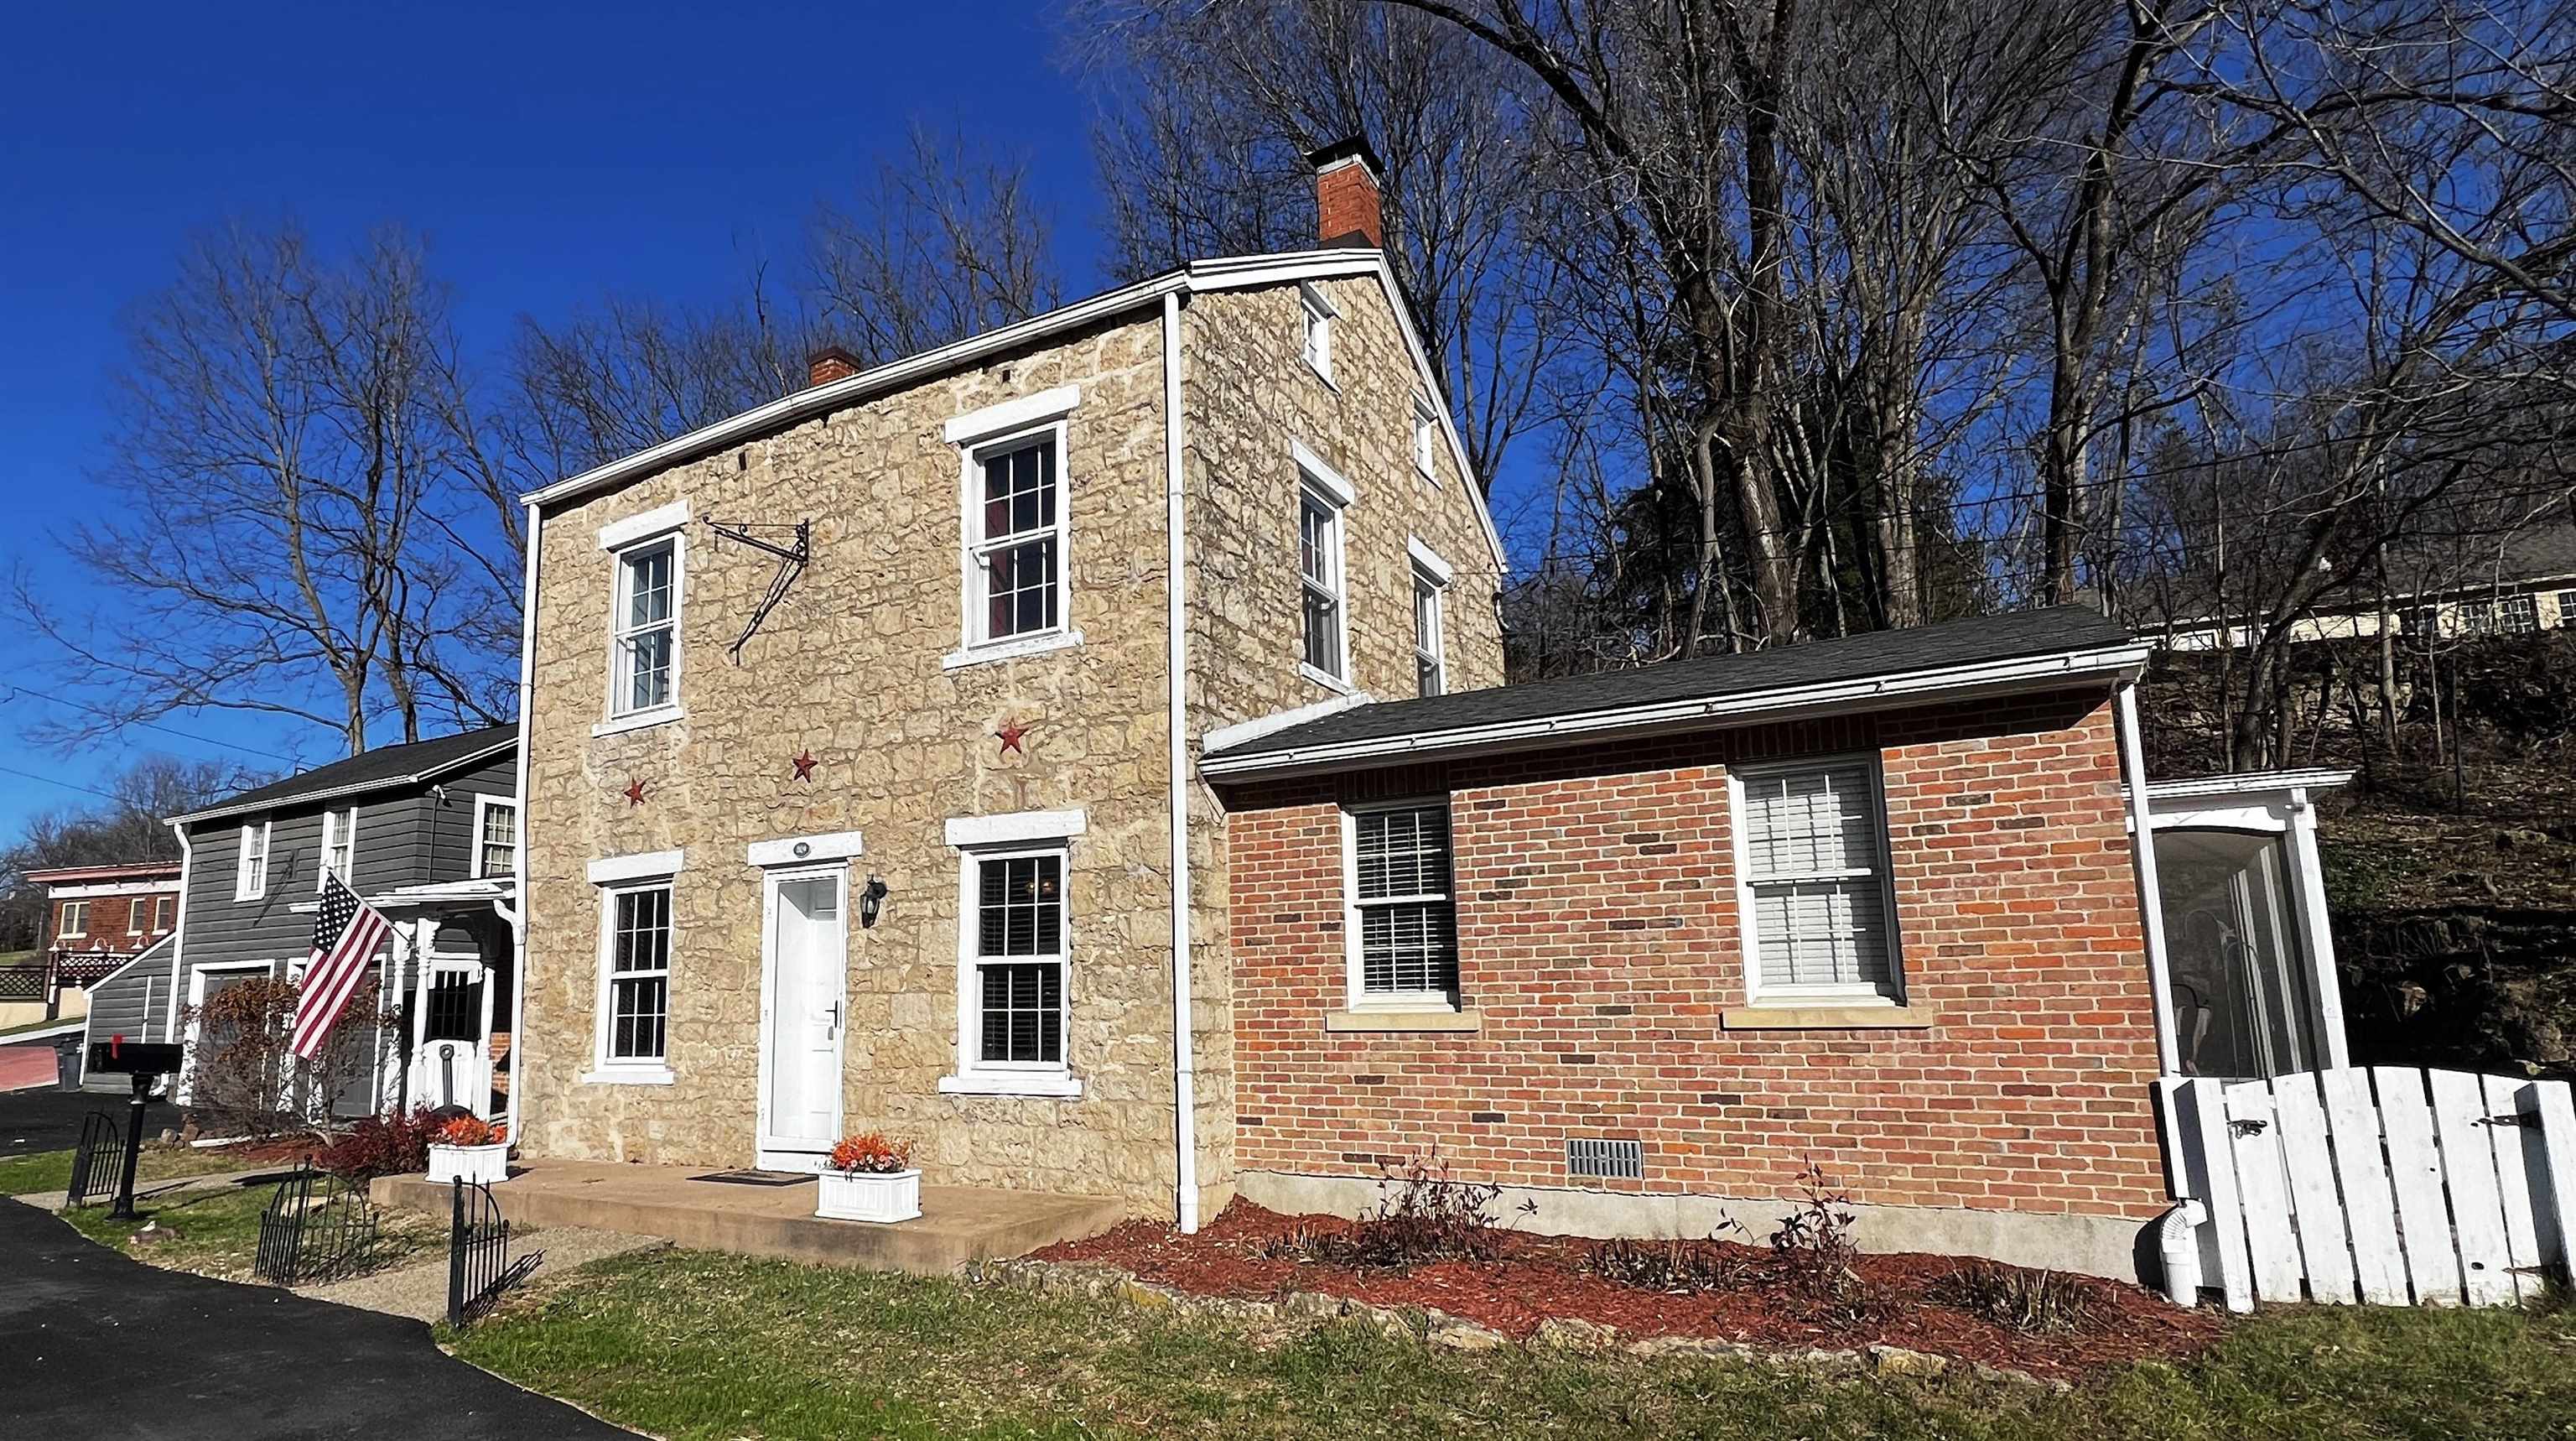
x,y
2308,878
2142,838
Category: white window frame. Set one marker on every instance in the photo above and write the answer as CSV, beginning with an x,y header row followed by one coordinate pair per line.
x,y
623,541
250,882
1426,439
66,931
484,804
1430,573
981,840
1740,834
975,640
1354,979
159,926
1315,334
644,1070
1320,485
339,832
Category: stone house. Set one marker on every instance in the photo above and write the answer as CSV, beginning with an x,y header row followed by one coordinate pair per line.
x,y
878,777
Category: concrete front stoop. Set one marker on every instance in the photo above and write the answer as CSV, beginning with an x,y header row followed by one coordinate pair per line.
x,y
957,1225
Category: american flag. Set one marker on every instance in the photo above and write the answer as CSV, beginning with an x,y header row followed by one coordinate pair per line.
x,y
346,933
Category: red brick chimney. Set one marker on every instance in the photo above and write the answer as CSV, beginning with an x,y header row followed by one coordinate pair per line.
x,y
829,364
1347,208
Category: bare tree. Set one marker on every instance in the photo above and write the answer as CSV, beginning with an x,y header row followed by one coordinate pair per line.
x,y
276,463
944,243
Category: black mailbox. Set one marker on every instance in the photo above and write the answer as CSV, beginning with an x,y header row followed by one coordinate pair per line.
x,y
118,1055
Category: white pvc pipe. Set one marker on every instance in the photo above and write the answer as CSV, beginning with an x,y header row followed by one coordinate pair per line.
x,y
1175,560
2178,1247
519,857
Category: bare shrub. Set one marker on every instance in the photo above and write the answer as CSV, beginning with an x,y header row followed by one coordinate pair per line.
x,y
1815,1249
2034,1303
1676,1267
243,1078
1423,1214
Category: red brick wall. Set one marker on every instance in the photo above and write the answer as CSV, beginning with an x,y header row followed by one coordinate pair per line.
x,y
1597,938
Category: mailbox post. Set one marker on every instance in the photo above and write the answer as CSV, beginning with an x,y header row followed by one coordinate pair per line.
x,y
142,1062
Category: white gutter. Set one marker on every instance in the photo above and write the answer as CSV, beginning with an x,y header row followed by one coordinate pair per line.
x,y
353,788
2028,673
518,919
1176,661
2151,911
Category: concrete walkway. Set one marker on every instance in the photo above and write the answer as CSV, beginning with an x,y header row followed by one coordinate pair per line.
x,y
957,1224
175,1185
100,1346
419,1291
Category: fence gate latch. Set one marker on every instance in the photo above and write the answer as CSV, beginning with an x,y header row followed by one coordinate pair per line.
x,y
2510,1118
2246,1128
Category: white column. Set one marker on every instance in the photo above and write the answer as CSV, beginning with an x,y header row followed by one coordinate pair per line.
x,y
2316,928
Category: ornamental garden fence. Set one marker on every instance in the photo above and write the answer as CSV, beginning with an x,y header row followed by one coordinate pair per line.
x,y
2384,1185
479,1266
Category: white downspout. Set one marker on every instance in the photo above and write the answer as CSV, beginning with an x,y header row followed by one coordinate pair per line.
x,y
1175,561
178,939
518,918
2142,841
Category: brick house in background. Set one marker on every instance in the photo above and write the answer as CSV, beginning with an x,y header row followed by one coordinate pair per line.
x,y
97,919
877,776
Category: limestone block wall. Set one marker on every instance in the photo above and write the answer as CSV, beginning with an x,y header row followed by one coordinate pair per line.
x,y
849,667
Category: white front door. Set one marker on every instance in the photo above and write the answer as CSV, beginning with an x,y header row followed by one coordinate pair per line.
x,y
800,1042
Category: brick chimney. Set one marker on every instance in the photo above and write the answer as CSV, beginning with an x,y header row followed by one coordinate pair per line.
x,y
829,364
1347,208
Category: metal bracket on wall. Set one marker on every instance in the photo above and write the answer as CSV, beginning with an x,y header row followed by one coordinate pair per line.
x,y
791,564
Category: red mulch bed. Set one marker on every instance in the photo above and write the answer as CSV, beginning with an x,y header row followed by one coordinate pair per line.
x,y
1536,1279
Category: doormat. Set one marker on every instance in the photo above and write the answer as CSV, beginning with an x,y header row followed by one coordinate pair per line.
x,y
756,1178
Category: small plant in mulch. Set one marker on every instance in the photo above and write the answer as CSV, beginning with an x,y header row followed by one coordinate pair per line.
x,y
374,1146
1816,1253
1423,1215
1674,1267
2034,1303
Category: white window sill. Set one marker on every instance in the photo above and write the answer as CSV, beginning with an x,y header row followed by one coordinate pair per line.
x,y
1322,373
1011,1083
629,1076
658,715
1828,1015
1327,680
1010,649
1425,1019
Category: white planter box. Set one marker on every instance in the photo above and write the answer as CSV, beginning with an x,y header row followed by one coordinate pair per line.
x,y
475,1165
847,1196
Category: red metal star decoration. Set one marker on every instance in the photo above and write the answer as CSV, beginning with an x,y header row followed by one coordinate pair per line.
x,y
805,764
1009,735
635,791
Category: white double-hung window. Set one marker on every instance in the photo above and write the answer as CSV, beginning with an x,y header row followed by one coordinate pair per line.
x,y
1316,341
1402,925
1016,564
496,836
647,664
1431,577
635,976
75,921
1323,595
1812,883
1426,438
250,870
339,845
1014,953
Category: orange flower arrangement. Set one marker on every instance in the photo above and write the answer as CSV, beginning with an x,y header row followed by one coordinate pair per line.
x,y
469,1131
872,1153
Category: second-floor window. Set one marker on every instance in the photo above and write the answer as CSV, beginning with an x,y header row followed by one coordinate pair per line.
x,y
496,836
1430,674
1319,565
339,845
1015,560
644,670
1316,344
165,909
75,920
1426,437
250,871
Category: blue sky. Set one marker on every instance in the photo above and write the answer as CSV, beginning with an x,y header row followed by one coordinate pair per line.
x,y
549,155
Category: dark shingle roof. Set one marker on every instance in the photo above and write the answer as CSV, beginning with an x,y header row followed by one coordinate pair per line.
x,y
383,766
2010,636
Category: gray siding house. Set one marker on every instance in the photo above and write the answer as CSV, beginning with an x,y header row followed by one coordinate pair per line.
x,y
428,834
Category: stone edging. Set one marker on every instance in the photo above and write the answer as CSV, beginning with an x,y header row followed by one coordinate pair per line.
x,y
1455,1333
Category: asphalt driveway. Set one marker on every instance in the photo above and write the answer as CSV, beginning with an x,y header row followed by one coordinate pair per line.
x,y
96,1345
50,1120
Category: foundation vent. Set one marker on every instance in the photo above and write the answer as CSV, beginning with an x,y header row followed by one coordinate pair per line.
x,y
1605,1159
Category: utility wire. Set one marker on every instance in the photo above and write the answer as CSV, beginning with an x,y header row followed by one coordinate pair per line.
x,y
14,692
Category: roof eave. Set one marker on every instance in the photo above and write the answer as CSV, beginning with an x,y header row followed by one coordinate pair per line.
x,y
354,788
2022,674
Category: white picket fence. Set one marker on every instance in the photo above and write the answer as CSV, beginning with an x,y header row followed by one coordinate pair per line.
x,y
2385,1185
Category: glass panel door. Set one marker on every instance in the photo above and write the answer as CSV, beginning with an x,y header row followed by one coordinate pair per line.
x,y
2243,1003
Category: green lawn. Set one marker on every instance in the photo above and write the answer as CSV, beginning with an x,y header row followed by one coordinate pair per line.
x,y
216,1232
42,1171
692,1344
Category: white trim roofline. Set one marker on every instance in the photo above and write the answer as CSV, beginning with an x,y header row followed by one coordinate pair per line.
x,y
2232,783
2026,673
354,788
1241,272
